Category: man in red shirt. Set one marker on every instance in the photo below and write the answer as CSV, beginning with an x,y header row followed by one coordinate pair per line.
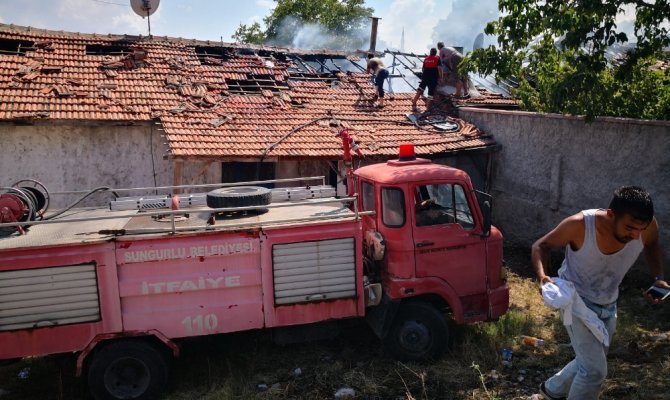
x,y
431,74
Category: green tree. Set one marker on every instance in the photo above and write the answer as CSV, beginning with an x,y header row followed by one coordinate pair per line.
x,y
335,23
249,34
558,51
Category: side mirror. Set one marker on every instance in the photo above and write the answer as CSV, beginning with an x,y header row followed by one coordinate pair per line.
x,y
486,211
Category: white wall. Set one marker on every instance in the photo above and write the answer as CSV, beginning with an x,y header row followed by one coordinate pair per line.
x,y
83,157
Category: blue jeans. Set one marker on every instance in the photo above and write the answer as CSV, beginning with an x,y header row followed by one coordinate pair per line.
x,y
382,74
582,377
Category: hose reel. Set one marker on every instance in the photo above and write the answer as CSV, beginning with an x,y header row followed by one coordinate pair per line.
x,y
26,200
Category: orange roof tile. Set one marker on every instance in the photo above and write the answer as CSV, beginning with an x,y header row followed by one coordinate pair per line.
x,y
235,106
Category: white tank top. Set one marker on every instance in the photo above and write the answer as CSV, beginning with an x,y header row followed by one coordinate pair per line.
x,y
597,276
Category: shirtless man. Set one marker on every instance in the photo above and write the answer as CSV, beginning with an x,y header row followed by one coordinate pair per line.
x,y
600,247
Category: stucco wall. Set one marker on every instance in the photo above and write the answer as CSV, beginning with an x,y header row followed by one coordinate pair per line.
x,y
552,166
83,157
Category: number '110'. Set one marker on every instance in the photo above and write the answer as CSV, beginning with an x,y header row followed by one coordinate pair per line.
x,y
200,323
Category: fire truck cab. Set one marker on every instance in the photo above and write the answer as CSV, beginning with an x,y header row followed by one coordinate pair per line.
x,y
439,248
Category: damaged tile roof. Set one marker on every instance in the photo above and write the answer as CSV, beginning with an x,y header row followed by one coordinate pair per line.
x,y
215,99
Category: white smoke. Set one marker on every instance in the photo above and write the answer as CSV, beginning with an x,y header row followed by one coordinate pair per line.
x,y
465,22
417,17
294,33
310,36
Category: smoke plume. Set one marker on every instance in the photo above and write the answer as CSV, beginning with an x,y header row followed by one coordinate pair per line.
x,y
466,21
294,33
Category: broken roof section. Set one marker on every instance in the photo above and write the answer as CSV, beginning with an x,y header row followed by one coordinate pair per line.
x,y
216,99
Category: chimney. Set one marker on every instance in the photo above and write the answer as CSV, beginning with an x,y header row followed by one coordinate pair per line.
x,y
373,34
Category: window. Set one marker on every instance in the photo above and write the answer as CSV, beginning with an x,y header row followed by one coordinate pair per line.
x,y
212,54
116,49
442,204
393,207
367,197
248,171
255,84
14,47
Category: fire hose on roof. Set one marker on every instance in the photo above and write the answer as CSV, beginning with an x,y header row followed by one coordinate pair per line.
x,y
28,200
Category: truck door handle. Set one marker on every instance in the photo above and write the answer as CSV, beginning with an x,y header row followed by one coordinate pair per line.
x,y
425,243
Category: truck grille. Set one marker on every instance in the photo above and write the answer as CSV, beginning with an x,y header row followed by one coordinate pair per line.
x,y
314,271
39,297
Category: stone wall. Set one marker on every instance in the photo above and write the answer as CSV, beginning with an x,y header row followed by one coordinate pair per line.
x,y
552,166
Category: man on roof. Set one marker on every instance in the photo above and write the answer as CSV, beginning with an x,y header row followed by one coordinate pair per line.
x,y
450,58
431,73
380,73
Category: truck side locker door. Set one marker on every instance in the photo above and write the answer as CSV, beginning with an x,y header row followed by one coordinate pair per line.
x,y
447,241
394,225
366,202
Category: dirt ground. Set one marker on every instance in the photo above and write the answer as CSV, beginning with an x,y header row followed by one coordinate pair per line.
x,y
251,366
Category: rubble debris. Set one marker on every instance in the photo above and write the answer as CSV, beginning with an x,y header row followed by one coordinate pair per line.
x,y
29,67
208,99
173,80
63,91
75,82
262,387
220,121
28,115
44,45
110,86
30,76
345,393
212,61
129,61
106,93
175,62
47,69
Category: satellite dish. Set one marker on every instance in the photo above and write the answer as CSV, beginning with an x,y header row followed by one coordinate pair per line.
x,y
144,8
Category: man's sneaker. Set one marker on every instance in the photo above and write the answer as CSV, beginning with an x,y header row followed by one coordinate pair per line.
x,y
543,392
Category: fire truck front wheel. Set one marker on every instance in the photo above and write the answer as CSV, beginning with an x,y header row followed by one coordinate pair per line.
x,y
419,333
127,370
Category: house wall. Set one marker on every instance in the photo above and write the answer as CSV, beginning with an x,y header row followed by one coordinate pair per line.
x,y
83,157
552,166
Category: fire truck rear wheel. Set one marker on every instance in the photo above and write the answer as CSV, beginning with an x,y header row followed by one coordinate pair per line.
x,y
419,333
239,196
127,370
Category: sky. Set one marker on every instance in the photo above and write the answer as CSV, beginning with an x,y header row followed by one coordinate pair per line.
x,y
424,22
212,19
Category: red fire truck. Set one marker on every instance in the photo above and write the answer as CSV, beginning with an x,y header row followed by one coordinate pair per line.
x,y
121,285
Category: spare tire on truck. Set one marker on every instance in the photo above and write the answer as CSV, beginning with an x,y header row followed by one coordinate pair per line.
x,y
239,196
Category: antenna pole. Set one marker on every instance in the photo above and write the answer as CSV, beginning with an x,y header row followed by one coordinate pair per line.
x,y
149,22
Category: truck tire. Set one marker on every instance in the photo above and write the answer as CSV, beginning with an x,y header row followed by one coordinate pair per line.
x,y
127,370
239,196
419,333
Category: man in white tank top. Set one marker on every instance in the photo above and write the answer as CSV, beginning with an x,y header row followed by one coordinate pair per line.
x,y
600,247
